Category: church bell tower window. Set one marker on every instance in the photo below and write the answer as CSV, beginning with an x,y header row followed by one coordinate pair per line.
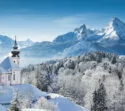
x,y
14,76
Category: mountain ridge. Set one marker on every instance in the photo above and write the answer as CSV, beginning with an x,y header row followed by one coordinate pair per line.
x,y
80,40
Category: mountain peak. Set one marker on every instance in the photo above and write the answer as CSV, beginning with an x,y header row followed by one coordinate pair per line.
x,y
116,22
81,32
29,40
83,26
115,30
115,19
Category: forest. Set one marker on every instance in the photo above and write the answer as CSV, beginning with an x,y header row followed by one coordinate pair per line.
x,y
95,80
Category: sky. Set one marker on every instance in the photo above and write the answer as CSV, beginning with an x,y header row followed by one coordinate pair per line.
x,y
44,20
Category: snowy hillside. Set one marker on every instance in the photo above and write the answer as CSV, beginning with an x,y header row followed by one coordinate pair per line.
x,y
30,92
88,79
68,37
2,108
80,48
45,49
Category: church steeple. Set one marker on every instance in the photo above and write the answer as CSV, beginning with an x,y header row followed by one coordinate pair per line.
x,y
15,51
15,44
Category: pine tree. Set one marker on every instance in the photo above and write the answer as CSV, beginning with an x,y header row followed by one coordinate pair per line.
x,y
15,103
114,59
99,99
44,78
95,104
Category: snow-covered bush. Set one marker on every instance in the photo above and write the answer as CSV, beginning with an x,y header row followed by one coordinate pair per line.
x,y
43,103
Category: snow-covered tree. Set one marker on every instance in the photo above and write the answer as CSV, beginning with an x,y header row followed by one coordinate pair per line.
x,y
45,77
99,99
15,103
77,77
44,104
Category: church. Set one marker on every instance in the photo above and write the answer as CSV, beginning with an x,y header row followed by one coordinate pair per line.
x,y
10,72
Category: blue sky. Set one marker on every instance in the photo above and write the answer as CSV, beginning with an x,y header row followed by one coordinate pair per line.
x,y
42,20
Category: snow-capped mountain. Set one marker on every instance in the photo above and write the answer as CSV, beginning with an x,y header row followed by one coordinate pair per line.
x,y
6,44
79,48
110,39
26,43
68,37
69,44
115,30
81,32
78,34
80,40
58,45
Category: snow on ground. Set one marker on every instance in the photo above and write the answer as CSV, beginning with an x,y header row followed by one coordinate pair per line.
x,y
2,108
6,95
34,110
66,105
6,92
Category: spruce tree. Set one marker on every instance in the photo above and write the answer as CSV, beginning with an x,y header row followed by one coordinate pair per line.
x,y
99,99
15,104
95,104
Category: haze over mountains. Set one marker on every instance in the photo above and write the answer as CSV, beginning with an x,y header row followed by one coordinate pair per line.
x,y
6,43
81,40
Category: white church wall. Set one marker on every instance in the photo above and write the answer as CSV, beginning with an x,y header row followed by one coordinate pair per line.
x,y
5,78
16,77
16,60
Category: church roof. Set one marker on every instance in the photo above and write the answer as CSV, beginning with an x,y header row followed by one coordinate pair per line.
x,y
2,70
7,64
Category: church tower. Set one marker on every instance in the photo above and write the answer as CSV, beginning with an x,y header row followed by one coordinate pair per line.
x,y
15,53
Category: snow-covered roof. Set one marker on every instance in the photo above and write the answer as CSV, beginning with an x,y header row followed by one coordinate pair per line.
x,y
2,70
7,64
2,108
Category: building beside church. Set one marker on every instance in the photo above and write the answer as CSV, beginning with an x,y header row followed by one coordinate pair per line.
x,y
10,72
